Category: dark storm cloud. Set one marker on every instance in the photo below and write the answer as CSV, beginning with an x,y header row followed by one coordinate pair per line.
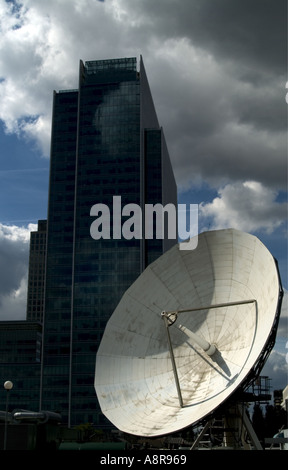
x,y
225,115
216,69
219,129
249,31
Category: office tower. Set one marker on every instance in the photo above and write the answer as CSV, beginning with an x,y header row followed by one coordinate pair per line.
x,y
36,275
106,142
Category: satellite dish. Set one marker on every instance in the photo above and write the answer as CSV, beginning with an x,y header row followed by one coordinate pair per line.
x,y
193,327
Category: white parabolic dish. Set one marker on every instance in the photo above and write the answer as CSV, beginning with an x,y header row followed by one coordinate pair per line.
x,y
135,380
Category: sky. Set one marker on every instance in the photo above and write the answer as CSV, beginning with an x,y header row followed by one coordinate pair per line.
x,y
217,72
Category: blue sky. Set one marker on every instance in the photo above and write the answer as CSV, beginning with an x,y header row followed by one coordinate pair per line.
x,y
24,182
217,71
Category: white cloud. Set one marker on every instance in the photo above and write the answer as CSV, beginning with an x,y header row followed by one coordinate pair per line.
x,y
14,254
247,206
276,368
283,323
15,233
214,104
41,45
13,305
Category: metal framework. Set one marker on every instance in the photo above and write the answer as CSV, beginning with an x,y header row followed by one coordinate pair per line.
x,y
209,348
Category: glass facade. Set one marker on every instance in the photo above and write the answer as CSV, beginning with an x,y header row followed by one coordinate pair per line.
x,y
106,142
153,184
36,276
59,264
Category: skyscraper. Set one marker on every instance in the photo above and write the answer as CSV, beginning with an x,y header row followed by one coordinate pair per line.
x,y
106,142
36,275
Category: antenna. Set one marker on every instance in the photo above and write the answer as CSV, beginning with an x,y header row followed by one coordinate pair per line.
x,y
195,326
